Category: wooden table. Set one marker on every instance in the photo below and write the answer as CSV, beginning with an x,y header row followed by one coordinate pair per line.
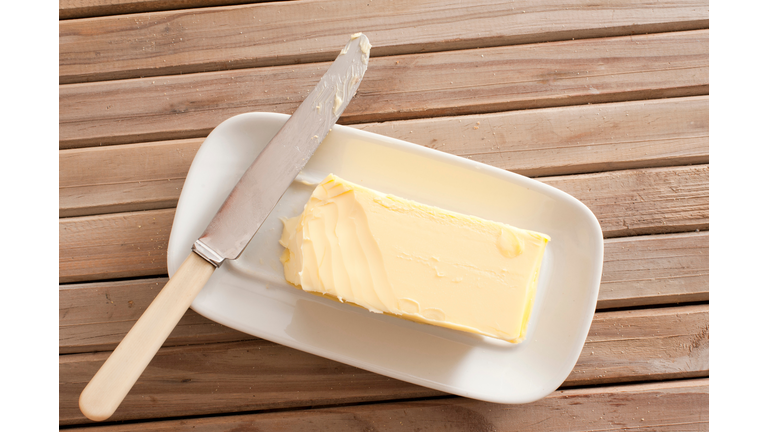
x,y
605,100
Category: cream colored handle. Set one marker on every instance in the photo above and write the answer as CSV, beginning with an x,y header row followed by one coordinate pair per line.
x,y
108,388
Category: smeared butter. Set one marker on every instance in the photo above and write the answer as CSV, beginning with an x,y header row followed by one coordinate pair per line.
x,y
400,257
337,101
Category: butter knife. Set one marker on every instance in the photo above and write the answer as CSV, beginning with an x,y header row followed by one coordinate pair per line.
x,y
232,228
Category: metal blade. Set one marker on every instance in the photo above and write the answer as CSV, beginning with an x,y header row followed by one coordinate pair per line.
x,y
270,175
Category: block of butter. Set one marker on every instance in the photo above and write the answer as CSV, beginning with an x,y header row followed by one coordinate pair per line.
x,y
396,256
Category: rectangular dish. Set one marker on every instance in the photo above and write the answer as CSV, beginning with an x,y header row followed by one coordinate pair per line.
x,y
250,294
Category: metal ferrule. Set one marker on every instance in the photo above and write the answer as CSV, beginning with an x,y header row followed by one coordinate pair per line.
x,y
207,253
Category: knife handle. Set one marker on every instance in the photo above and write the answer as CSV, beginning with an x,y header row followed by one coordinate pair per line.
x,y
108,388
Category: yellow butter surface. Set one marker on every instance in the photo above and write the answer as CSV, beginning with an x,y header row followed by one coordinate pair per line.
x,y
396,256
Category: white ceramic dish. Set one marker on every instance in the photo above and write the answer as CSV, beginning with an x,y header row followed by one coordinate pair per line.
x,y
251,295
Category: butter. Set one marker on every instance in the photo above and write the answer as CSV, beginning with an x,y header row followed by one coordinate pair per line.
x,y
337,101
418,262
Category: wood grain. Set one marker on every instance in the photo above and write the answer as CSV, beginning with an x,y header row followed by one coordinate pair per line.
x,y
96,317
115,246
270,34
233,377
551,141
69,9
123,178
653,270
644,344
647,201
230,377
569,140
631,202
395,88
677,406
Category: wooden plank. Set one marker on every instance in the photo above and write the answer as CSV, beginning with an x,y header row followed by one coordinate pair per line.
x,y
570,140
123,178
270,34
230,377
668,406
233,377
647,201
653,270
69,9
644,344
96,317
115,246
395,88
551,141
632,202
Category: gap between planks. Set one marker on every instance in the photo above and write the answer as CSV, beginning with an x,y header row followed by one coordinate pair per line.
x,y
637,271
677,405
626,203
395,88
639,345
542,142
289,33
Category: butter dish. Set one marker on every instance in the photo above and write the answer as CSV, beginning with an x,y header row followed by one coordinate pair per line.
x,y
250,294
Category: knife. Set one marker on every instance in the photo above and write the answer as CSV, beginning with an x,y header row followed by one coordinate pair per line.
x,y
245,209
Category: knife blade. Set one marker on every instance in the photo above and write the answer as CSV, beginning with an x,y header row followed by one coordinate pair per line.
x,y
252,199
279,163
